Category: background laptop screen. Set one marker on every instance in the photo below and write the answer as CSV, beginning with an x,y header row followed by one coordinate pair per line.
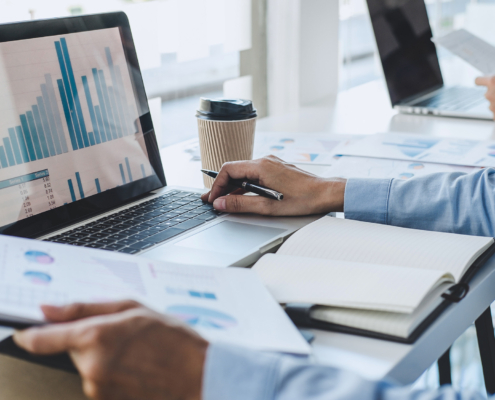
x,y
70,125
409,58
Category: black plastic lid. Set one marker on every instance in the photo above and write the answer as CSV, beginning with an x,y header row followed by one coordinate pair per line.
x,y
225,109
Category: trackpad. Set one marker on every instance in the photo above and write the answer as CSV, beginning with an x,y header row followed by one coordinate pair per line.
x,y
231,238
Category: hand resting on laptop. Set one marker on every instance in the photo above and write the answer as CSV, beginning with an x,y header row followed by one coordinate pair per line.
x,y
304,193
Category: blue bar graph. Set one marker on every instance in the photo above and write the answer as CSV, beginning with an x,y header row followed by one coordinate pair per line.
x,y
129,172
3,158
27,137
79,185
44,131
143,171
15,146
68,118
46,127
98,187
9,151
40,131
71,188
122,173
22,144
34,135
75,93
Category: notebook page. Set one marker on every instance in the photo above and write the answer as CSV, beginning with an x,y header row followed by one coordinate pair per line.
x,y
347,284
395,324
348,240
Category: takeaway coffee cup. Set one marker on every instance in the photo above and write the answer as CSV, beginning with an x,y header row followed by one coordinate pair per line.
x,y
226,132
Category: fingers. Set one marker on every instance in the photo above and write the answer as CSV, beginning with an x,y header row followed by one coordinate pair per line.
x,y
77,311
482,80
245,204
50,339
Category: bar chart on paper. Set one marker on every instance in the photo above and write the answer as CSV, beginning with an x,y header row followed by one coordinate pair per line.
x,y
68,110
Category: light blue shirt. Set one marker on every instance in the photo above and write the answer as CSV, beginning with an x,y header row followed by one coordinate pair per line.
x,y
454,202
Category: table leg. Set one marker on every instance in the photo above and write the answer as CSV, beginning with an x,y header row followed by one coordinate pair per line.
x,y
486,344
444,369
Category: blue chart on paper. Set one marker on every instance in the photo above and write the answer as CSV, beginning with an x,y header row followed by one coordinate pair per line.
x,y
413,147
202,317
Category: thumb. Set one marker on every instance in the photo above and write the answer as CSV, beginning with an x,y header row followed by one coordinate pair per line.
x,y
244,204
482,80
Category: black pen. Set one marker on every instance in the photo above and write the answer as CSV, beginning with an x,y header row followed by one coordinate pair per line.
x,y
249,187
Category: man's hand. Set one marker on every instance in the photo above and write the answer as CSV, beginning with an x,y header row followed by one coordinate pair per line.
x,y
304,193
489,82
123,351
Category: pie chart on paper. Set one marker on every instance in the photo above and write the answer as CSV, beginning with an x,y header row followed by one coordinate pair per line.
x,y
201,317
38,257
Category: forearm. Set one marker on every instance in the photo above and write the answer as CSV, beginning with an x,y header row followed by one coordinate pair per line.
x,y
235,373
447,202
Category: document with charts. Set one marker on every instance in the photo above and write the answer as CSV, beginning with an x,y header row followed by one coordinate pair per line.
x,y
470,48
415,147
307,148
367,167
229,305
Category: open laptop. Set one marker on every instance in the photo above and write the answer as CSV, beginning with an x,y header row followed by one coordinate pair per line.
x,y
79,158
410,64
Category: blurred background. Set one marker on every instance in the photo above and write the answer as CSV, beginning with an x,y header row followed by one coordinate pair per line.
x,y
193,48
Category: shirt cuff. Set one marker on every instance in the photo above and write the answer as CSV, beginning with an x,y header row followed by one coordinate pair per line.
x,y
367,199
235,373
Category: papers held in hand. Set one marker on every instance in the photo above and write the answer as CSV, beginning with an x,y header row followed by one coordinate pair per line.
x,y
223,304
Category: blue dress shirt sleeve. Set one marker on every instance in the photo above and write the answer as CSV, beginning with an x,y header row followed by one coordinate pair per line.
x,y
446,202
233,373
455,202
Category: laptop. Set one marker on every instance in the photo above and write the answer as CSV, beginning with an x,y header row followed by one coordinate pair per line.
x,y
410,64
79,159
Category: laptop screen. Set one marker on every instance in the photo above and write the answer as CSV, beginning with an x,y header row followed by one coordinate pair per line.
x,y
409,58
72,128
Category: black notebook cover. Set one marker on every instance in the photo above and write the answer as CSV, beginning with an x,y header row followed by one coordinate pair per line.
x,y
300,314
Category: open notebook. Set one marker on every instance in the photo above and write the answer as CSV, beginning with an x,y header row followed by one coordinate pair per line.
x,y
369,278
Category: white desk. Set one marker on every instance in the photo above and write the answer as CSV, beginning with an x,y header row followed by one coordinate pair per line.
x,y
362,110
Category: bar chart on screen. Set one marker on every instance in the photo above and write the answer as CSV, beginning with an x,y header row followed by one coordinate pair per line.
x,y
69,111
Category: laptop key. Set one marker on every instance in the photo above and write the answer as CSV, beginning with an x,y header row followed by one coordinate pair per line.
x,y
167,234
114,247
179,219
206,216
78,235
111,231
105,241
128,250
87,240
168,224
140,236
89,230
142,245
117,236
126,242
192,223
132,231
94,245
99,235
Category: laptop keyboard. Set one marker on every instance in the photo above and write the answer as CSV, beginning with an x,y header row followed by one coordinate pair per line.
x,y
453,99
144,225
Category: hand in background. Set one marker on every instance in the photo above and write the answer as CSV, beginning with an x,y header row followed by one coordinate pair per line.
x,y
123,350
489,82
304,193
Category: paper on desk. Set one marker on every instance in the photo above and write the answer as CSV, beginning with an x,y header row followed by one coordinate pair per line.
x,y
367,167
303,148
413,147
228,305
470,48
